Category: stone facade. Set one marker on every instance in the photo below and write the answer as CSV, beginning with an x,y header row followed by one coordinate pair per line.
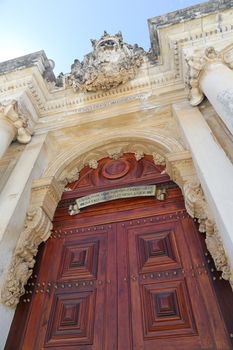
x,y
68,122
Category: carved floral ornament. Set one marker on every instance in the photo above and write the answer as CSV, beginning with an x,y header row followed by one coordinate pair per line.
x,y
196,66
111,63
10,113
46,194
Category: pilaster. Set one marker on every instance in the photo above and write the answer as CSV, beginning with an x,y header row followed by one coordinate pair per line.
x,y
215,173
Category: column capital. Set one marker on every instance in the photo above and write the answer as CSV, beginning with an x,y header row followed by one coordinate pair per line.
x,y
10,113
199,62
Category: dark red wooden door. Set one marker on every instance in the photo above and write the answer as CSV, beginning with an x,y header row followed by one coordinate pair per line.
x,y
135,284
123,275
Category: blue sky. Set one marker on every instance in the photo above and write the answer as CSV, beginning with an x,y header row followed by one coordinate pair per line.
x,y
63,28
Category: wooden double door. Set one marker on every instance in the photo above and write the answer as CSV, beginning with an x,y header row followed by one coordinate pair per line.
x,y
124,275
132,279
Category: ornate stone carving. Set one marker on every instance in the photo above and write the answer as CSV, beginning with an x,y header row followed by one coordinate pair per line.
x,y
194,200
93,163
197,207
37,229
138,155
196,64
215,246
46,194
111,63
115,153
12,114
70,175
158,159
179,166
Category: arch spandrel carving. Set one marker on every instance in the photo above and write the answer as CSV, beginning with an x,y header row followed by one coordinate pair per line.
x,y
47,192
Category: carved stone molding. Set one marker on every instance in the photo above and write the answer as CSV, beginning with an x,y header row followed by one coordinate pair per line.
x,y
46,194
70,175
37,229
196,66
139,154
10,112
111,63
158,159
73,160
215,246
115,153
195,203
93,163
180,168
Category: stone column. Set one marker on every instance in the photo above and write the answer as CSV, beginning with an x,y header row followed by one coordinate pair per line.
x,y
210,74
214,170
13,125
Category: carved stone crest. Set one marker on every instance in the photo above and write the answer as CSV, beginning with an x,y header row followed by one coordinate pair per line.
x,y
111,63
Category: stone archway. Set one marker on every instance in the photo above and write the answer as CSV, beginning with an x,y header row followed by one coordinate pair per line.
x,y
46,193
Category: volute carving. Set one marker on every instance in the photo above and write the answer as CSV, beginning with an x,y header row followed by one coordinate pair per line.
x,y
11,113
111,63
197,63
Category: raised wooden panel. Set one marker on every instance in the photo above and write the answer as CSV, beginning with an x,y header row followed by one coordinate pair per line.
x,y
156,250
79,260
167,310
115,169
113,172
71,319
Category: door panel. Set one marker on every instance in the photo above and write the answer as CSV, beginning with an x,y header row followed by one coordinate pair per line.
x,y
72,306
169,309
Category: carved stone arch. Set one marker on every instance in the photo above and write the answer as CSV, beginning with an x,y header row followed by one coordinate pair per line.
x,y
70,162
46,193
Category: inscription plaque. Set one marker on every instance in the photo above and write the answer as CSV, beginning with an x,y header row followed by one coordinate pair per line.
x,y
105,196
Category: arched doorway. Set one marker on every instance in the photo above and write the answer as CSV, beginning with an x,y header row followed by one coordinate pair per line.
x,y
126,274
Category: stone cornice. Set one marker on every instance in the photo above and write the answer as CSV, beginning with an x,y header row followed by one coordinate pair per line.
x,y
156,24
38,59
